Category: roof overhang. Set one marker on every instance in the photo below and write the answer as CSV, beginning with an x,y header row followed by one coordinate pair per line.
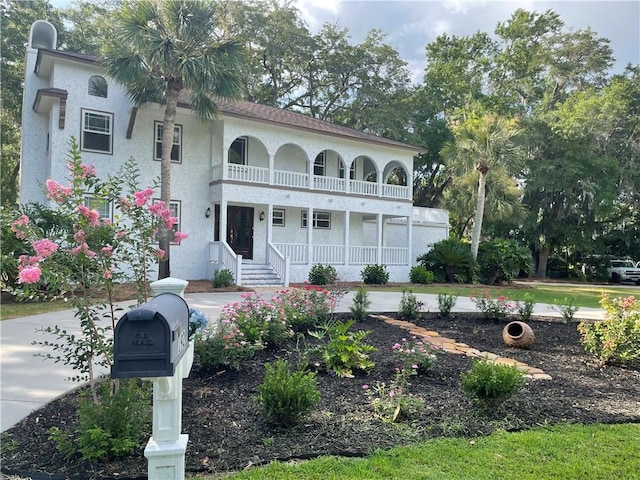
x,y
45,98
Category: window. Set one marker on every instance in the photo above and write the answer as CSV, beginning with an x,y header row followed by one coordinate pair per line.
x,y
277,217
238,151
352,170
319,165
96,131
176,149
320,220
102,206
98,86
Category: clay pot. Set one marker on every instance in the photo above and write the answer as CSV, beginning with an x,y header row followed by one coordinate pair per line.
x,y
518,335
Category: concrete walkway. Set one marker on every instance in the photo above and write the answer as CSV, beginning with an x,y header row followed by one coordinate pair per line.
x,y
29,382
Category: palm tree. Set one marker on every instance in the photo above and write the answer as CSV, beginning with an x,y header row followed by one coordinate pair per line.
x,y
483,144
161,48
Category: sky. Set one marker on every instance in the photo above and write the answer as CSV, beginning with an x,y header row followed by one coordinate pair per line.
x,y
411,25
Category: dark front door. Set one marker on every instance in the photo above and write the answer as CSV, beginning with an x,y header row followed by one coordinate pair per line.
x,y
240,230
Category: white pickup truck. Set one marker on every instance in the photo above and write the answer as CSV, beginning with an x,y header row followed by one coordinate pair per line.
x,y
624,271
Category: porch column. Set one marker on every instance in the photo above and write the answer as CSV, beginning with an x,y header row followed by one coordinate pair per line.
x,y
379,224
347,221
223,221
310,236
272,166
410,239
269,224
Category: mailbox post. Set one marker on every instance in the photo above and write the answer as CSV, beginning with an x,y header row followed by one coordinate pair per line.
x,y
151,342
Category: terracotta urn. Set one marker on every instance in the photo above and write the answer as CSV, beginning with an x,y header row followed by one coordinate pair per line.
x,y
518,335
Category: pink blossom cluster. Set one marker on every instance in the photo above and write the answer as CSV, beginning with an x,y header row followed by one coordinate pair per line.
x,y
83,249
17,227
44,248
92,216
142,197
57,192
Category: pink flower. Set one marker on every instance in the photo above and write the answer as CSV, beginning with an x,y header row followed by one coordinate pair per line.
x,y
92,216
57,192
121,234
44,248
365,387
414,366
396,346
170,221
107,251
179,236
15,227
160,253
83,249
157,208
392,394
107,274
29,275
141,198
80,236
87,170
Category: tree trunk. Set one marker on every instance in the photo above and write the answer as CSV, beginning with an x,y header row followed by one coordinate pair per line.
x,y
477,223
541,271
168,126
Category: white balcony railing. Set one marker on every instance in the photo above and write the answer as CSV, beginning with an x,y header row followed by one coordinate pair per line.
x,y
332,254
396,191
245,173
290,179
329,184
363,188
363,255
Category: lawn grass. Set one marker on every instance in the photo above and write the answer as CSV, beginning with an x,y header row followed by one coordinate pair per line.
x,y
16,310
558,294
593,452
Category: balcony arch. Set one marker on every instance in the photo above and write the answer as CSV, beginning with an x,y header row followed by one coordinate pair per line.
x,y
247,160
396,179
290,166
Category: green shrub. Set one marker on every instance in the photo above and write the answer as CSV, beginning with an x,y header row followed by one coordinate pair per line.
x,y
375,274
420,274
489,384
393,402
304,308
446,303
410,307
342,351
501,260
114,427
322,274
447,258
283,396
616,339
222,278
496,308
360,305
525,309
223,345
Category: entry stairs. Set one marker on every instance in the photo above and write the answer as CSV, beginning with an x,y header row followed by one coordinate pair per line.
x,y
257,275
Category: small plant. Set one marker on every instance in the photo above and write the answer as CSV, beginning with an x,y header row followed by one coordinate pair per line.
x,y
415,354
410,307
525,309
360,305
375,274
223,345
322,274
222,278
343,351
567,308
420,274
283,396
616,339
492,307
197,322
446,302
393,403
489,384
304,308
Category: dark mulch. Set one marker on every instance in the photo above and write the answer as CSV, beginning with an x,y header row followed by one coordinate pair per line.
x,y
227,432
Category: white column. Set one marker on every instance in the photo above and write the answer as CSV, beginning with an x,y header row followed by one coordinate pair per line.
x,y
410,239
379,238
223,221
347,239
310,236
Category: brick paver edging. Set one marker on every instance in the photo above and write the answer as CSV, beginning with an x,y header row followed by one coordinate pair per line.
x,y
449,345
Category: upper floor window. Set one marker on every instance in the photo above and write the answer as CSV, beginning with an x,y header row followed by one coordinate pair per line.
x,y
238,151
103,207
176,149
319,165
352,170
98,86
96,131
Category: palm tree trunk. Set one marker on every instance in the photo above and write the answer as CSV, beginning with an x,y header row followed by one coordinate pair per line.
x,y
168,126
477,223
541,271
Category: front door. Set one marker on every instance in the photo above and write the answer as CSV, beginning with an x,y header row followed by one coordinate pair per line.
x,y
240,230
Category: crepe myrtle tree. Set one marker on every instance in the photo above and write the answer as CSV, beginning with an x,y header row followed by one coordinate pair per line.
x,y
162,48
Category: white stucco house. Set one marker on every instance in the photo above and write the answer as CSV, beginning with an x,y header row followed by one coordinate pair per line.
x,y
257,189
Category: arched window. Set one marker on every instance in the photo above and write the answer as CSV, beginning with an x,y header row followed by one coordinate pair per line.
x,y
97,86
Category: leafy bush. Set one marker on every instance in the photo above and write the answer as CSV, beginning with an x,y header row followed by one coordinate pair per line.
x,y
525,309
490,384
304,308
567,308
491,307
415,354
284,397
222,278
322,274
223,345
420,274
446,302
501,260
343,351
448,257
361,303
410,307
394,402
616,339
375,274
111,429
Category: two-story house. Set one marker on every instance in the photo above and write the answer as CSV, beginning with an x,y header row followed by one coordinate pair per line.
x,y
257,189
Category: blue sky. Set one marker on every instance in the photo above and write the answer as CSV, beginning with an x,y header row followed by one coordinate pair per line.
x,y
410,25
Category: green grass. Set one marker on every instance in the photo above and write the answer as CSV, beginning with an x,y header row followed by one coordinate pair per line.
x,y
16,310
577,452
585,296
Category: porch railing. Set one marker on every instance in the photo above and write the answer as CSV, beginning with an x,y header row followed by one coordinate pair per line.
x,y
363,188
279,262
394,256
297,252
329,184
231,261
246,173
396,191
290,179
332,254
363,255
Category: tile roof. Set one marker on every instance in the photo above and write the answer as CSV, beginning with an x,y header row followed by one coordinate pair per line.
x,y
259,112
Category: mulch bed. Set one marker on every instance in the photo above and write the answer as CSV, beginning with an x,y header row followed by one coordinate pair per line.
x,y
227,431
